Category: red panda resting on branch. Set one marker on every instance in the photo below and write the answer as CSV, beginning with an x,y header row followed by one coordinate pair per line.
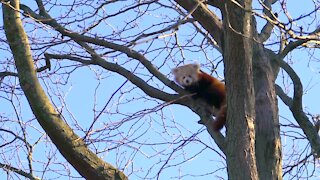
x,y
206,87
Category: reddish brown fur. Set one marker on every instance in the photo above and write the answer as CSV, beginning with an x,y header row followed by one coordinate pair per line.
x,y
207,88
214,95
220,120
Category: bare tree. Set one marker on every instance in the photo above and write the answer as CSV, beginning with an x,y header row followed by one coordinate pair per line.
x,y
97,78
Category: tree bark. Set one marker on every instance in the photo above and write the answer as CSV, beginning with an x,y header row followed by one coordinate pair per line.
x,y
237,52
267,132
268,142
68,143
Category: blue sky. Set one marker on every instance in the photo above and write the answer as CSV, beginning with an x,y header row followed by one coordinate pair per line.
x,y
90,88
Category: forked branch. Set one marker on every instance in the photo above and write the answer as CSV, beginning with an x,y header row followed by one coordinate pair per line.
x,y
295,105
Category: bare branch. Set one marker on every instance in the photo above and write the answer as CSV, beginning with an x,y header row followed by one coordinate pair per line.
x,y
7,73
268,27
217,4
295,105
78,38
15,137
18,171
205,17
127,113
153,92
283,96
71,146
314,36
149,90
173,27
300,39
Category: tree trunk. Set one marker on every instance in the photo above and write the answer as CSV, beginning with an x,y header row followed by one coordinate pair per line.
x,y
241,160
69,144
237,51
268,143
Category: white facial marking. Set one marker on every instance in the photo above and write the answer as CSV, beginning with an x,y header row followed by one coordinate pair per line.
x,y
187,80
186,75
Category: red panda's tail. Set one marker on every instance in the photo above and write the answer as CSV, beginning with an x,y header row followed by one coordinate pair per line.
x,y
220,120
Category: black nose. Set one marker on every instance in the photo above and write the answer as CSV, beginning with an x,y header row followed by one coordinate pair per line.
x,y
187,81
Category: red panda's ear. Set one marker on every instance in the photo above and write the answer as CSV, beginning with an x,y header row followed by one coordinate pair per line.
x,y
196,66
174,70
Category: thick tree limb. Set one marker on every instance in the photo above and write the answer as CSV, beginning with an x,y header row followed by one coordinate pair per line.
x,y
195,105
313,36
149,90
295,105
82,38
283,96
291,46
69,144
217,4
97,60
238,53
205,17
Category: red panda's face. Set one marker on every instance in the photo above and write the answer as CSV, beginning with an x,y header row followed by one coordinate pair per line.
x,y
186,75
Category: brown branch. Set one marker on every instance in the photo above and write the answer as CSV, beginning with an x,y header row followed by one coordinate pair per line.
x,y
217,4
213,25
9,142
82,38
109,66
300,39
97,60
47,66
208,20
172,27
295,105
183,98
312,37
291,46
149,90
70,145
219,139
283,96
7,73
7,167
268,27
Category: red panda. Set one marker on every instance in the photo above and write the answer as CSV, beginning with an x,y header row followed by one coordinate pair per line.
x,y
206,87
